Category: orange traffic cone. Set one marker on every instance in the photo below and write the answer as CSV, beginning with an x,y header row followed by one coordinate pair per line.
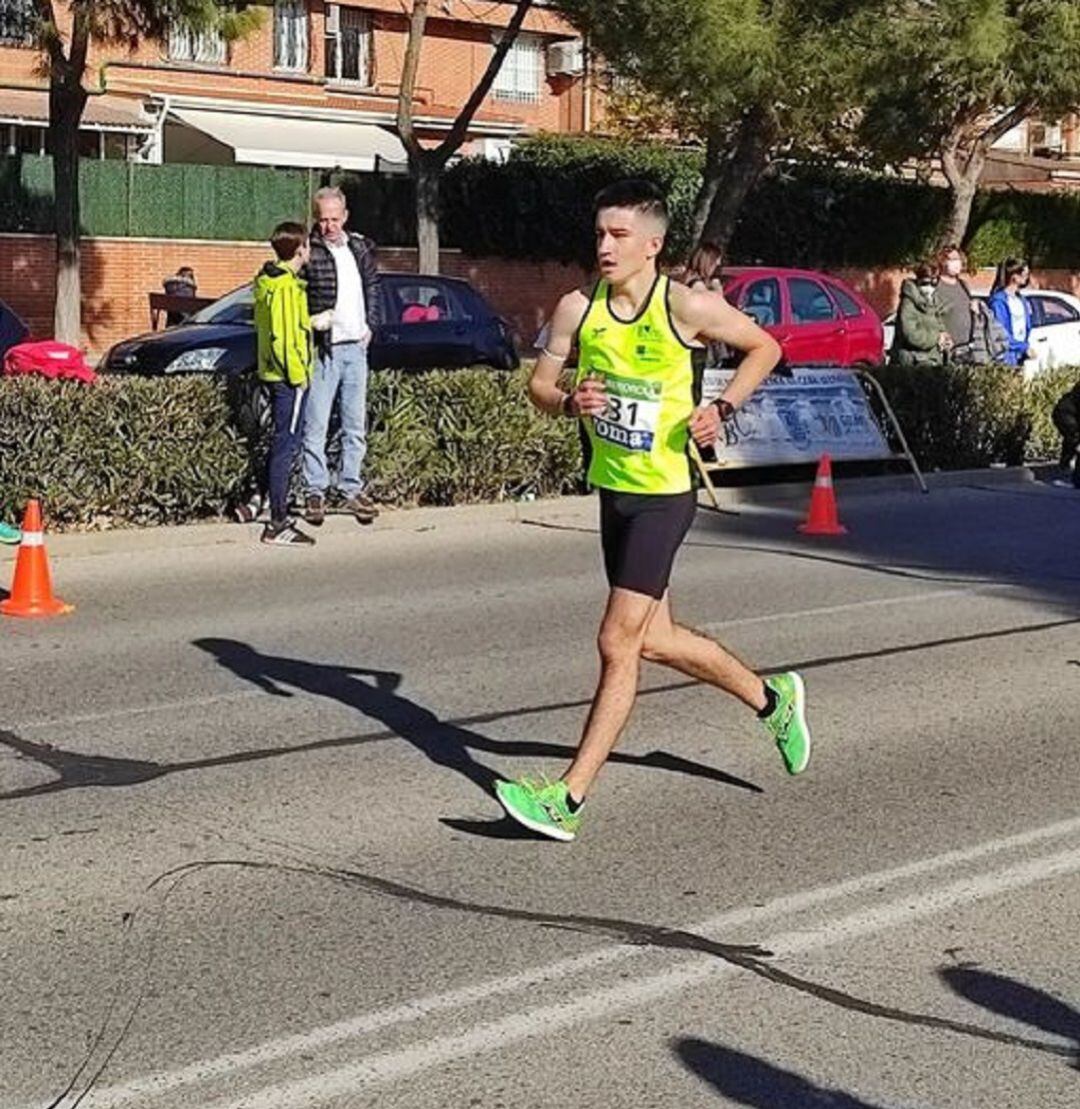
x,y
31,588
822,518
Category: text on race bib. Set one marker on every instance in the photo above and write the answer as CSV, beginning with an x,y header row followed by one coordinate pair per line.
x,y
632,414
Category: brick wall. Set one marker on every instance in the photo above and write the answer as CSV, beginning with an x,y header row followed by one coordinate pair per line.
x,y
118,275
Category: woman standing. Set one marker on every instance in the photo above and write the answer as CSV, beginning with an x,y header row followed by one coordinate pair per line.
x,y
1010,308
922,338
955,296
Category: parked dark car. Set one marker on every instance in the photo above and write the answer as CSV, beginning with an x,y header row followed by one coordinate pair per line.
x,y
13,330
431,322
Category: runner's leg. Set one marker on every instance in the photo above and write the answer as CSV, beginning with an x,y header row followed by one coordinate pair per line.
x,y
622,633
696,655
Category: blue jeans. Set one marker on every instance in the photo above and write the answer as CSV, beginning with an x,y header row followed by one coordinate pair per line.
x,y
343,369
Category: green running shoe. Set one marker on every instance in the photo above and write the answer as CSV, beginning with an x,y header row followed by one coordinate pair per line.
x,y
788,721
542,806
9,534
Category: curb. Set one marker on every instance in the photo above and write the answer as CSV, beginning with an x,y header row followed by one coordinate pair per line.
x,y
988,477
82,544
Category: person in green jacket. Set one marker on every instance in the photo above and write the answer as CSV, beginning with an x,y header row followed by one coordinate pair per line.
x,y
922,334
283,334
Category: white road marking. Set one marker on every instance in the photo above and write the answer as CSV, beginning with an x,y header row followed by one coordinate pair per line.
x,y
231,1066
544,1020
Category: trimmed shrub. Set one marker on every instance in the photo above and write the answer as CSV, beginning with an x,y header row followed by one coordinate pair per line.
x,y
136,451
131,451
959,417
170,450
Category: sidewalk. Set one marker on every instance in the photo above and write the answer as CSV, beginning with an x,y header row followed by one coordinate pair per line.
x,y
578,510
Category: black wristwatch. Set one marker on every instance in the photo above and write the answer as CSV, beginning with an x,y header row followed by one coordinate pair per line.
x,y
566,403
725,408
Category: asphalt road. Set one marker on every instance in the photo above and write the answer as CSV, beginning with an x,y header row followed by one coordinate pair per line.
x,y
249,858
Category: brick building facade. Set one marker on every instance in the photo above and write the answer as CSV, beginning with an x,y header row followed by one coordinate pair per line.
x,y
316,84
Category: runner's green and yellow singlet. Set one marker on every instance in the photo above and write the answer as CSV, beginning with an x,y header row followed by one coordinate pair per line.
x,y
639,444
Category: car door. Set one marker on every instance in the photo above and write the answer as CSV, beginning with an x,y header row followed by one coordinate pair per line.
x,y
426,325
814,331
865,335
1055,330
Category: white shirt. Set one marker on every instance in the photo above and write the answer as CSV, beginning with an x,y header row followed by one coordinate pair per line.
x,y
1017,315
350,313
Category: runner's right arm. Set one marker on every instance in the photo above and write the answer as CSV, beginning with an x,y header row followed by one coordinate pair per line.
x,y
588,398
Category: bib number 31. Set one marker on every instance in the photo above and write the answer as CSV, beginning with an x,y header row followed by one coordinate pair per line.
x,y
632,414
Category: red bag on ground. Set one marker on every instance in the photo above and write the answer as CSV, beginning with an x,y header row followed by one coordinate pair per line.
x,y
50,359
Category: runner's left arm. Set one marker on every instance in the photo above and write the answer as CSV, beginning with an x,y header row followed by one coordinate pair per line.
x,y
705,317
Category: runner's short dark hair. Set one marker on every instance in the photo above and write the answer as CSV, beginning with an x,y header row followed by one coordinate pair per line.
x,y
287,239
637,193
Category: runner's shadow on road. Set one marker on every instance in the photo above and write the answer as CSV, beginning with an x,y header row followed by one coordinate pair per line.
x,y
370,692
1016,1000
746,1080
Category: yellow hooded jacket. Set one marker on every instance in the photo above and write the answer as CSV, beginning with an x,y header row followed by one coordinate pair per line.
x,y
282,326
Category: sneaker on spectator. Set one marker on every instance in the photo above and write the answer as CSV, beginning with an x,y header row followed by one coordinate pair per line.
x,y
362,507
9,534
315,509
286,535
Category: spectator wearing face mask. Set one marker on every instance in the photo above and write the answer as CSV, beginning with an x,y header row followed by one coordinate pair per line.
x,y
922,337
1012,310
955,296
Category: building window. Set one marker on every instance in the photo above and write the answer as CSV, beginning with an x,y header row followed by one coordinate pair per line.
x,y
291,34
17,20
206,48
348,44
522,71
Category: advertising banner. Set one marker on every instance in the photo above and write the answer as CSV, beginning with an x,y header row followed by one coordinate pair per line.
x,y
798,418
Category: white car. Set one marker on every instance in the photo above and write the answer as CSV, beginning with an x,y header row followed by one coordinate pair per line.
x,y
1055,329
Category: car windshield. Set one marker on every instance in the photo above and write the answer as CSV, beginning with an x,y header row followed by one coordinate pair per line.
x,y
235,307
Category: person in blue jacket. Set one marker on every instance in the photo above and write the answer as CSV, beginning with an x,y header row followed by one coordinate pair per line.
x,y
1011,309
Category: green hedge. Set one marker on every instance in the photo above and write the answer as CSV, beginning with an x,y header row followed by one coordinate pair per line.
x,y
536,206
170,450
959,417
133,451
170,201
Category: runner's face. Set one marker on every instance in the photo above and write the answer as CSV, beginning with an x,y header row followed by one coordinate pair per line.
x,y
331,217
627,242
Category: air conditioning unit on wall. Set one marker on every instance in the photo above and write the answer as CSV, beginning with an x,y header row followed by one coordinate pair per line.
x,y
566,59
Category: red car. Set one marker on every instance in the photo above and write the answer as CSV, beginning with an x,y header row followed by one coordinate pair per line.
x,y
817,319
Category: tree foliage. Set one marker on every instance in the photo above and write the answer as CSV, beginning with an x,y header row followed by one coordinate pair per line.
x,y
751,78
946,79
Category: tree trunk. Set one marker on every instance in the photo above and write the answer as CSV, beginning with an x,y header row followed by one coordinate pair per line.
x,y
715,145
426,172
754,142
66,102
963,176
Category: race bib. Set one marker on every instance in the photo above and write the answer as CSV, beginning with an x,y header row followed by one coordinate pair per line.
x,y
632,414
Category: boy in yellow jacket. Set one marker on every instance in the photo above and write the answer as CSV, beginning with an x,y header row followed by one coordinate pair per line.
x,y
283,331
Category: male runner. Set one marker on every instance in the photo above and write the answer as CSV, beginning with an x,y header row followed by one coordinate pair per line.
x,y
634,392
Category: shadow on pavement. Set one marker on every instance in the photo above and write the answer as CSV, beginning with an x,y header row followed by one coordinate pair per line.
x,y
1016,1001
373,693
1019,535
747,1080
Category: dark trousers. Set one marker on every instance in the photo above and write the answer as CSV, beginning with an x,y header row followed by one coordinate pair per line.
x,y
287,406
1067,420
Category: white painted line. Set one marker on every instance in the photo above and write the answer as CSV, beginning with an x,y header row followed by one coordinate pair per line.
x,y
137,710
230,1066
343,1082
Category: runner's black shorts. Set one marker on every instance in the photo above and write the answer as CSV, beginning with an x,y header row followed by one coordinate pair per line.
x,y
641,533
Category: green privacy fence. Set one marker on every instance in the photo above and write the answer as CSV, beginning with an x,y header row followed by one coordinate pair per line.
x,y
168,202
